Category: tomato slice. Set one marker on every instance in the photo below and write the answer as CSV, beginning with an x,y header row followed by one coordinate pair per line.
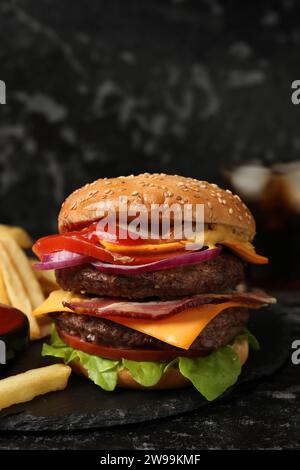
x,y
72,243
109,352
88,242
84,246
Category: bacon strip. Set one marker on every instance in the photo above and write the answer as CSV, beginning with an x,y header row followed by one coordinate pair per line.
x,y
103,306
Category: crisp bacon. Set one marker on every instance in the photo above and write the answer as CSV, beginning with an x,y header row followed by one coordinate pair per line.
x,y
103,306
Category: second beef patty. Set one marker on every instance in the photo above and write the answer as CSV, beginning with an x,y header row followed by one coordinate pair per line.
x,y
219,332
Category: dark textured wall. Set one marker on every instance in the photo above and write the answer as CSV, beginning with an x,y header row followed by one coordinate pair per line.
x,y
111,87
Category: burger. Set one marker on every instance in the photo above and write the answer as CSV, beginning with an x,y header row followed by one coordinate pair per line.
x,y
144,307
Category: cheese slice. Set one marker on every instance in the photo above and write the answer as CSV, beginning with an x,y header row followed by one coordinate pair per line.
x,y
179,330
54,303
143,249
220,234
245,251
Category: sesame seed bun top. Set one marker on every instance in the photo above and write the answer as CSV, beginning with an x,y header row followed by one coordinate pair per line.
x,y
86,205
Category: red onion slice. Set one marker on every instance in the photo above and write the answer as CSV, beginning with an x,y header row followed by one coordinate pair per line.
x,y
62,259
68,259
174,262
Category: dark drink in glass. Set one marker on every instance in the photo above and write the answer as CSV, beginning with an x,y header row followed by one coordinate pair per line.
x,y
273,196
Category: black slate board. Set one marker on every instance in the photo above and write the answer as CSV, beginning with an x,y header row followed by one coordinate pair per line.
x,y
84,406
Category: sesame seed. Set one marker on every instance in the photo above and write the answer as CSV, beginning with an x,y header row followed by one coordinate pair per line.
x,y
230,210
209,205
169,194
237,197
215,185
107,183
228,191
220,200
134,193
180,184
108,191
224,202
93,192
74,205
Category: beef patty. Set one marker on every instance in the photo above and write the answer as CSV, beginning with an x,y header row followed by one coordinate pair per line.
x,y
216,275
216,334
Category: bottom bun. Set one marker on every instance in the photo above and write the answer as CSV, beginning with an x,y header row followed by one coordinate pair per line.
x,y
172,378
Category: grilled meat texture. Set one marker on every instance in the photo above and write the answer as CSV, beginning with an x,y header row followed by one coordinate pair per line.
x,y
219,274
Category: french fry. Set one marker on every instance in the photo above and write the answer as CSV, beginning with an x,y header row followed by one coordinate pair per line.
x,y
46,279
3,292
45,326
15,290
25,271
24,387
18,234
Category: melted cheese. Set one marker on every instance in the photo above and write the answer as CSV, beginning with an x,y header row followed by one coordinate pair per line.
x,y
142,249
54,303
220,234
245,251
179,330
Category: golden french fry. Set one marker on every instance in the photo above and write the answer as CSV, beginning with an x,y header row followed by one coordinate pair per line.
x,y
18,234
24,387
46,279
25,271
45,328
3,293
15,290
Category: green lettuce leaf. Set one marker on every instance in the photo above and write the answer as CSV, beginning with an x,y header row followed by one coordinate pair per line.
x,y
103,372
145,373
213,374
253,342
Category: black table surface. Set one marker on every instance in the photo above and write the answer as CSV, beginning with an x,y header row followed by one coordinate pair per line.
x,y
265,415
